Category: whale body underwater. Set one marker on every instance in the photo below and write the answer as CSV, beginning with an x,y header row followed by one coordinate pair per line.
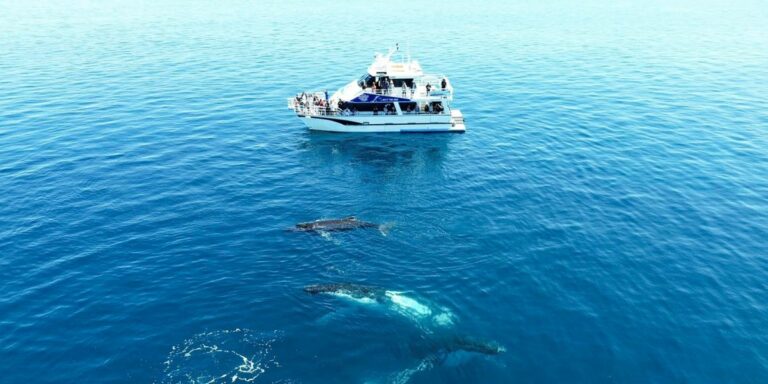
x,y
423,314
409,307
432,349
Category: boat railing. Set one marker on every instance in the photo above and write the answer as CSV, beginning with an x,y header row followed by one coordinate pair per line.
x,y
435,83
320,110
418,91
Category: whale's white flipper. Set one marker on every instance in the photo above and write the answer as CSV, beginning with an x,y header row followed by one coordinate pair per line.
x,y
425,315
419,312
336,314
384,228
408,305
357,299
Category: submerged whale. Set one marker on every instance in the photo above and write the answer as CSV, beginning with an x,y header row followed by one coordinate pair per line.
x,y
437,351
461,343
433,348
420,312
333,225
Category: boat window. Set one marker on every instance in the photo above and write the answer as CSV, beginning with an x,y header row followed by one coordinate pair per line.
x,y
366,107
409,107
399,82
436,107
365,81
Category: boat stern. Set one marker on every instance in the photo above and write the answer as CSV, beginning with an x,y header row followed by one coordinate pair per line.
x,y
457,121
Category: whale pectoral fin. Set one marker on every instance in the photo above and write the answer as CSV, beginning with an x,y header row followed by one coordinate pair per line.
x,y
384,228
327,318
335,315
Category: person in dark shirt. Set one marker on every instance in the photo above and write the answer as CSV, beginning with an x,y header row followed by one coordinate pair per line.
x,y
444,84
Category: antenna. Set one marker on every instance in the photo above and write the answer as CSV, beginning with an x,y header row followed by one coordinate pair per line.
x,y
408,49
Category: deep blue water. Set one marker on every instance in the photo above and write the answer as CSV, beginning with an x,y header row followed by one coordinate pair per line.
x,y
604,218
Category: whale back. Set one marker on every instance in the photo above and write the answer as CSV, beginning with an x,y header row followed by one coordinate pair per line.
x,y
468,344
346,223
355,290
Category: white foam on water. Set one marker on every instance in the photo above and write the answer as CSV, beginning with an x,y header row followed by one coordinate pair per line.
x,y
237,355
404,376
443,319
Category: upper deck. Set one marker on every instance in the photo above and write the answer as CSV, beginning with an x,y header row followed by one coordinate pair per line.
x,y
392,78
387,65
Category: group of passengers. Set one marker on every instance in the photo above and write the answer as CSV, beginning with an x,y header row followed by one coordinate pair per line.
x,y
385,86
306,100
443,85
389,109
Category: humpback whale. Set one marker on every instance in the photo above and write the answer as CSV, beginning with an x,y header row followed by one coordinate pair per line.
x,y
355,290
460,343
333,225
438,351
393,300
432,349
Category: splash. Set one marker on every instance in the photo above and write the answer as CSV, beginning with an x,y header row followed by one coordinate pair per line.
x,y
444,319
238,355
405,375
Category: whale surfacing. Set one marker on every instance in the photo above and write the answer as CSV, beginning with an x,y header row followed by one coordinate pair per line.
x,y
439,350
423,313
346,289
334,225
437,346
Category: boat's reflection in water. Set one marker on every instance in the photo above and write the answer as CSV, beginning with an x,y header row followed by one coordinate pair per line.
x,y
378,156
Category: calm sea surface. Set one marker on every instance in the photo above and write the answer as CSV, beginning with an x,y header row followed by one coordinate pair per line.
x,y
604,218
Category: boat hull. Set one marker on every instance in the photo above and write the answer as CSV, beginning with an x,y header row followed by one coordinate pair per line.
x,y
383,123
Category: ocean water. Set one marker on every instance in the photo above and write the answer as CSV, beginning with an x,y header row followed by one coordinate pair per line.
x,y
604,219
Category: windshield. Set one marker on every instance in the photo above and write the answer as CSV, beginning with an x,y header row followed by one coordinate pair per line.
x,y
365,81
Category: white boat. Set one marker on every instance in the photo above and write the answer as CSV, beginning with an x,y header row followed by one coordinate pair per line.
x,y
393,96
